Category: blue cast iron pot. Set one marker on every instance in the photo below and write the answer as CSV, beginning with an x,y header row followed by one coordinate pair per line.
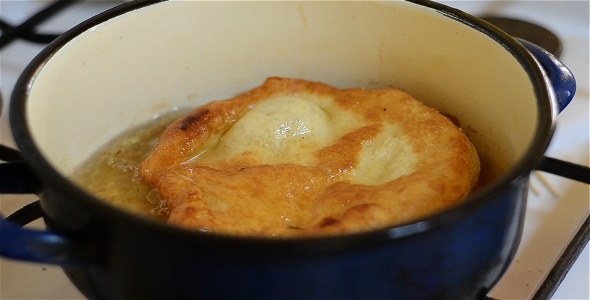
x,y
120,68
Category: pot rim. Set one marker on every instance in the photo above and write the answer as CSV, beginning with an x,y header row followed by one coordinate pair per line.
x,y
546,105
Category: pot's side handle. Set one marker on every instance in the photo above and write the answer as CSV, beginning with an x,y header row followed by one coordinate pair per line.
x,y
27,244
564,85
34,245
562,79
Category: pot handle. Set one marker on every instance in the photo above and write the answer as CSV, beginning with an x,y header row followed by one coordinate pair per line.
x,y
564,85
34,245
562,79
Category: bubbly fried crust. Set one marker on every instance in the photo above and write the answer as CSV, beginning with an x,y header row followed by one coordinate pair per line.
x,y
336,161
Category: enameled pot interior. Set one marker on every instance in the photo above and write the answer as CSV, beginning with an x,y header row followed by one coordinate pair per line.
x,y
125,71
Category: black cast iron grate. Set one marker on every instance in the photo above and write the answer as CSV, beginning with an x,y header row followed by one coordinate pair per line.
x,y
27,31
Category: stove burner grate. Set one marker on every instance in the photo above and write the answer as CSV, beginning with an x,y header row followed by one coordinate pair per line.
x,y
26,30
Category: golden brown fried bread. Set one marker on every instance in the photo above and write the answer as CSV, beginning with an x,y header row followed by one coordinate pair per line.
x,y
300,158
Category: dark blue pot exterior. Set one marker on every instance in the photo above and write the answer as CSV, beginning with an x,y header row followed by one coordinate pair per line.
x,y
459,260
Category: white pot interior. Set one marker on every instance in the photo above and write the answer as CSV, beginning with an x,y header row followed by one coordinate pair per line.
x,y
182,54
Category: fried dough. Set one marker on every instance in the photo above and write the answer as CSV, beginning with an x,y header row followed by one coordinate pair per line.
x,y
300,158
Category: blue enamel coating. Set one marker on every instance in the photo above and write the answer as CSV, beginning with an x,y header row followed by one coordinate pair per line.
x,y
562,79
33,245
461,260
26,244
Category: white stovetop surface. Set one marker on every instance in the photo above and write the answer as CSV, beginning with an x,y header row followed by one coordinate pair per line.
x,y
555,208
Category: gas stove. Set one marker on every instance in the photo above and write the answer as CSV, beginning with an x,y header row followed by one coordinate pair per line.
x,y
557,208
